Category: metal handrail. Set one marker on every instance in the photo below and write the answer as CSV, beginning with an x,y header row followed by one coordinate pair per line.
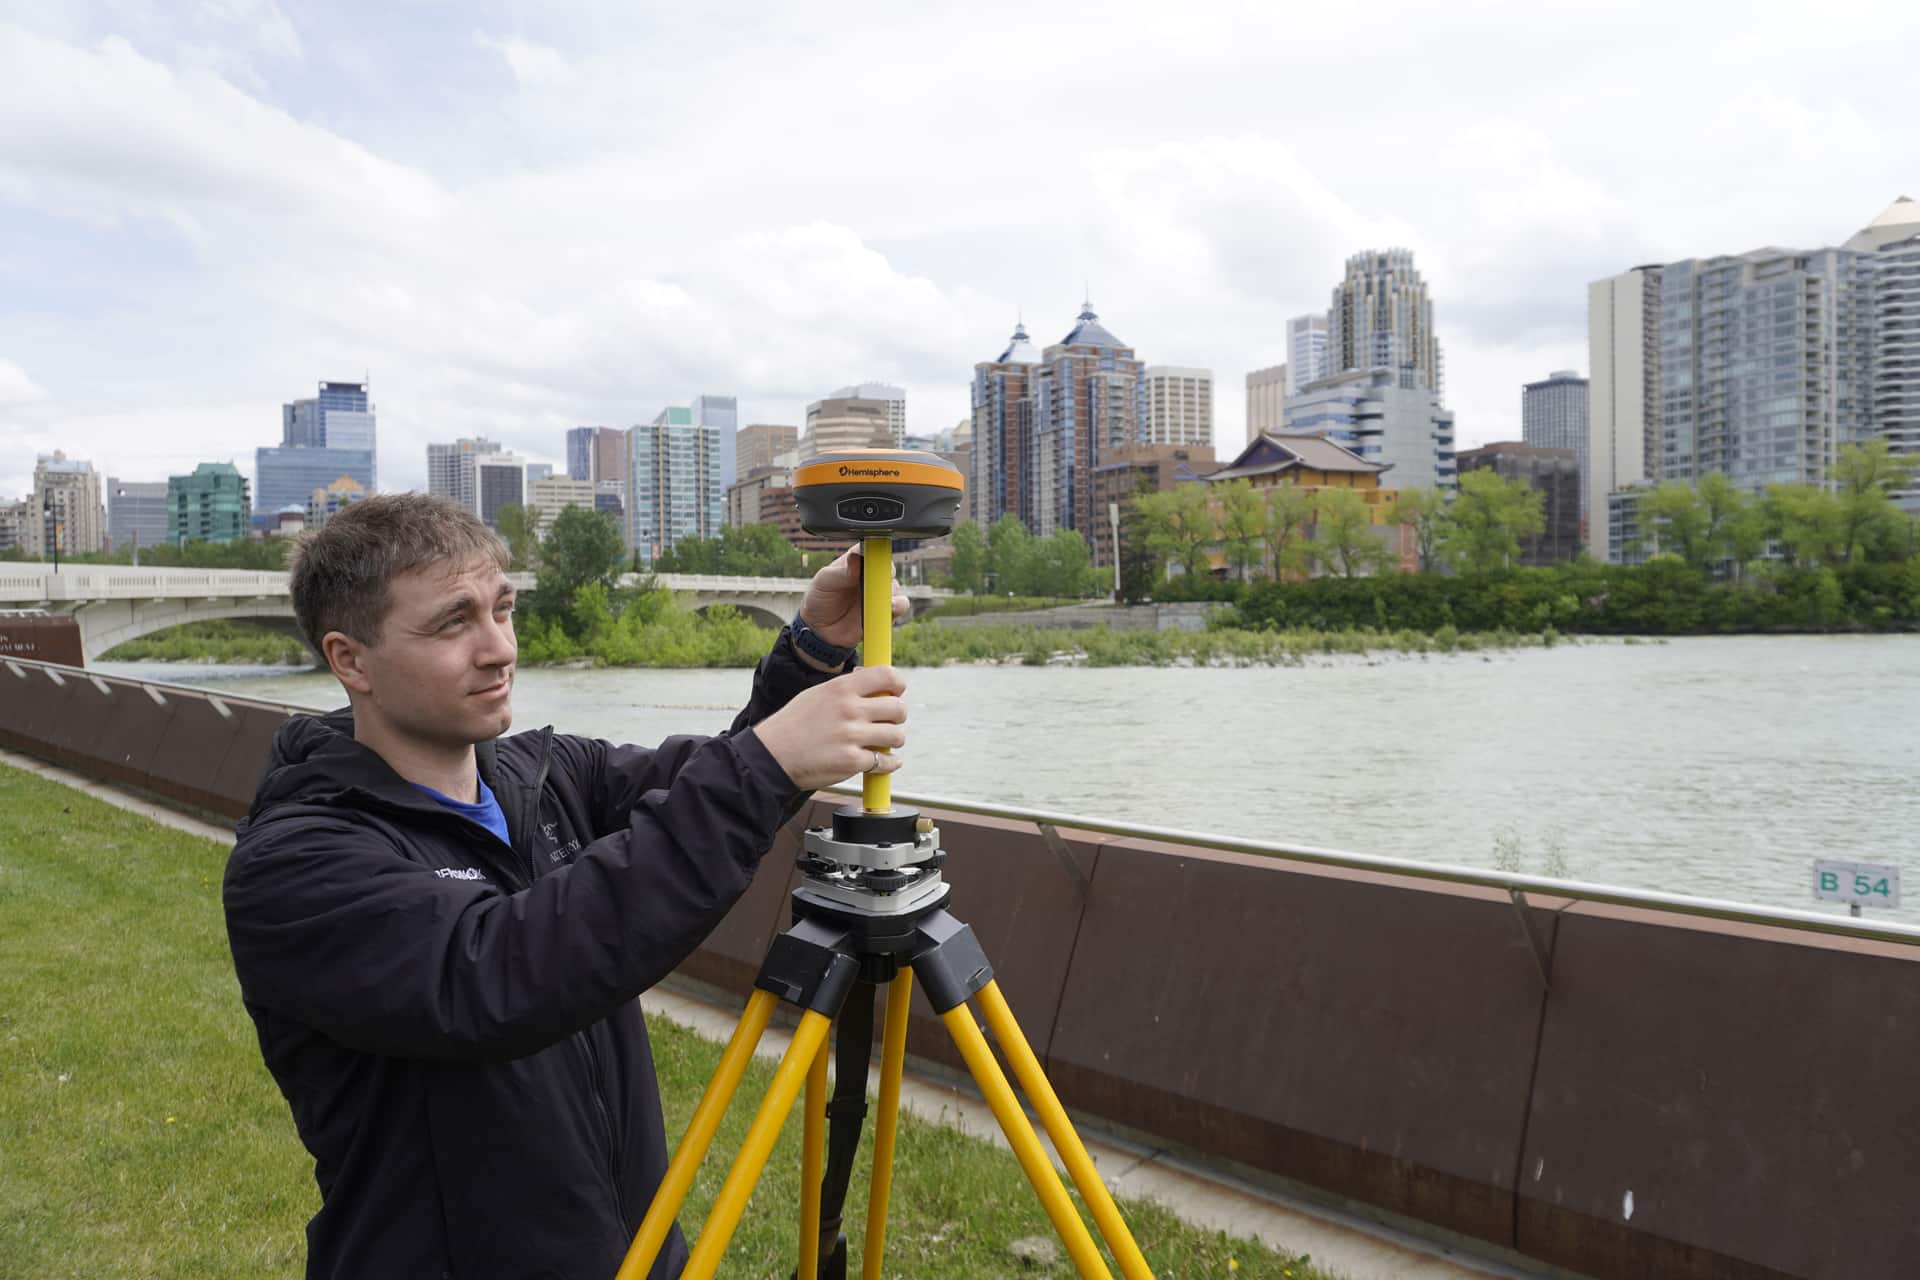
x,y
1317,855
1450,873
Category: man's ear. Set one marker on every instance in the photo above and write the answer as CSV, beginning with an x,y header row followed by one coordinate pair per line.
x,y
346,658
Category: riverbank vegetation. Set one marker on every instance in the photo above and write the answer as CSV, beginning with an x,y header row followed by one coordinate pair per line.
x,y
144,1136
217,641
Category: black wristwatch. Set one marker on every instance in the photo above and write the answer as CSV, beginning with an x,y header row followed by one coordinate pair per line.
x,y
806,640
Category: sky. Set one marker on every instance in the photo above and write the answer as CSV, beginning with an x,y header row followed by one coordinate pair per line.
x,y
518,218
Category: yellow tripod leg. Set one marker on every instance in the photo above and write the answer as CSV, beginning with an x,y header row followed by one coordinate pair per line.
x,y
672,1191
1033,1081
1026,1145
813,1162
876,622
747,1165
893,1057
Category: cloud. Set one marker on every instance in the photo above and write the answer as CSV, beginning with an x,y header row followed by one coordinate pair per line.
x,y
16,388
531,64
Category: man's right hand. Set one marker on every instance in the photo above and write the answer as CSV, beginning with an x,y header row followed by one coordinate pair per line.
x,y
828,733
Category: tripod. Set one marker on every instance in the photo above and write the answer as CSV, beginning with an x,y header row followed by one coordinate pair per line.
x,y
871,911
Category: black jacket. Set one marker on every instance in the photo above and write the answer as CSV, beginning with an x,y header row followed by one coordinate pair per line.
x,y
454,1021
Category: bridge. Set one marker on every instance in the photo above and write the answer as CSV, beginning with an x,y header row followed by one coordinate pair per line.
x,y
117,603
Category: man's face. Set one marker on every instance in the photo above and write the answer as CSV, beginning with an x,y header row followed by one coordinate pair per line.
x,y
441,673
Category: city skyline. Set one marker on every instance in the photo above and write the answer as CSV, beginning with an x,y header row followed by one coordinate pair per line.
x,y
188,179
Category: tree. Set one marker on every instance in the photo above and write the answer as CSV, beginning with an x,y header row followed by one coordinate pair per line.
x,y
583,546
1180,524
1427,512
1243,524
1059,565
1010,555
520,528
1865,479
758,550
1289,512
1807,520
1138,572
969,570
1343,536
1489,517
1675,515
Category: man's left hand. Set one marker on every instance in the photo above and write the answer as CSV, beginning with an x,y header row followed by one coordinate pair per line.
x,y
833,604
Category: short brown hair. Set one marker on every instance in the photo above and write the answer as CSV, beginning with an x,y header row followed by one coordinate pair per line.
x,y
342,571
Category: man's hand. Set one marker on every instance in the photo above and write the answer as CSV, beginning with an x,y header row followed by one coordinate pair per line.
x,y
832,606
828,733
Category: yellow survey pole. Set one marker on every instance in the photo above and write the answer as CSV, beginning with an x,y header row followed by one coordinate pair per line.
x,y
893,1057
876,621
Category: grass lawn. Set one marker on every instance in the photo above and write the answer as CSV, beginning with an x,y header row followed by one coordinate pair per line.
x,y
140,1135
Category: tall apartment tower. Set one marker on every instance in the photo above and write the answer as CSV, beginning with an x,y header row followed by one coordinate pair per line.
x,y
1381,317
1893,239
720,414
1306,352
496,480
1089,399
895,400
1179,405
1553,415
450,468
1002,431
209,505
674,489
65,509
758,447
1266,400
1623,421
839,422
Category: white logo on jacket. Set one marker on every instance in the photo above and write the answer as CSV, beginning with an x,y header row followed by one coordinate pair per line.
x,y
459,873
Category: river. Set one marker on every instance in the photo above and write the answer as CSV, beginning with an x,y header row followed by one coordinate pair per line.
x,y
1720,767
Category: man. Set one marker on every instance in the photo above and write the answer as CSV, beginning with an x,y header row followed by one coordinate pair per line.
x,y
440,932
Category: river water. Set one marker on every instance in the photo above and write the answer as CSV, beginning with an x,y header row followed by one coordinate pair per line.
x,y
1718,767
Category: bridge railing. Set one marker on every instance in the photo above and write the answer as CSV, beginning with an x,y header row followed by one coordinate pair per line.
x,y
108,582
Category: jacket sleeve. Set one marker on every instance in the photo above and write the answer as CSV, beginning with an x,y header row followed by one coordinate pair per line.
x,y
616,778
332,925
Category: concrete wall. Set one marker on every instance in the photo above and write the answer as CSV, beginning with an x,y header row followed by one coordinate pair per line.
x,y
1173,616
1677,1097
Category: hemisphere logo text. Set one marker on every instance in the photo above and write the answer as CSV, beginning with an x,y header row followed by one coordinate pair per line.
x,y
868,471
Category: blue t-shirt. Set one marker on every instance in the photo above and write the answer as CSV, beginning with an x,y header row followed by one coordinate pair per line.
x,y
487,813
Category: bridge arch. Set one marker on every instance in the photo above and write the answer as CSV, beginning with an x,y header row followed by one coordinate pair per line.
x,y
758,613
107,624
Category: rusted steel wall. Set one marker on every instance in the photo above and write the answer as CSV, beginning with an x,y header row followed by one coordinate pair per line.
x,y
41,636
1384,1039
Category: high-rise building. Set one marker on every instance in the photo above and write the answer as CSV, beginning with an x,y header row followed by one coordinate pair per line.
x,y
1179,405
598,454
338,416
499,480
450,468
1373,413
1306,351
209,505
759,446
538,471
721,414
1553,415
138,514
840,423
1002,430
1266,399
673,480
67,511
17,528
1554,473
1381,317
1089,399
325,503
895,400
548,497
285,476
1623,421
1894,240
